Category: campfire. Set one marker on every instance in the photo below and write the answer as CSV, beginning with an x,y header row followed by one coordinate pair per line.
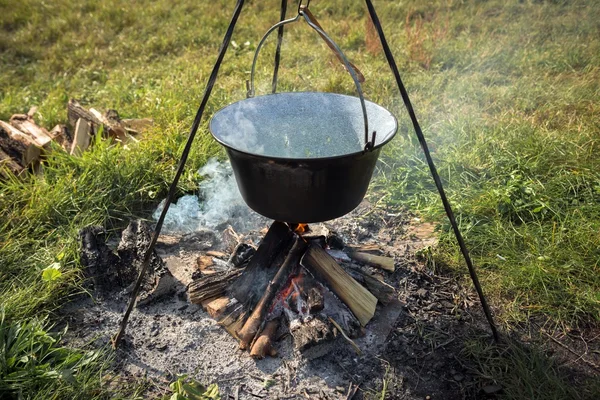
x,y
298,281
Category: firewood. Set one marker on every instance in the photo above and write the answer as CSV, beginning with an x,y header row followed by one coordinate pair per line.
x,y
251,327
61,135
264,344
211,286
312,338
218,254
385,293
6,162
204,262
27,125
386,263
216,306
82,137
112,123
249,288
366,248
75,111
18,145
233,318
353,294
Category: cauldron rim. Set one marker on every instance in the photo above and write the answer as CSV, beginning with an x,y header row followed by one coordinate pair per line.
x,y
390,135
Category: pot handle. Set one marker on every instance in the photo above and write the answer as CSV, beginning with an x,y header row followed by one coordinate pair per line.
x,y
311,21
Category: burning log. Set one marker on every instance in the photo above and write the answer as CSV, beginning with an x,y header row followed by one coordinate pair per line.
x,y
261,269
252,325
211,286
360,301
263,346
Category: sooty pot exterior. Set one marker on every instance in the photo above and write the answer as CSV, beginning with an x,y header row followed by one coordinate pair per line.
x,y
303,190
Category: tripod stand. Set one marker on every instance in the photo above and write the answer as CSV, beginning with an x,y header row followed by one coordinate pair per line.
x,y
302,9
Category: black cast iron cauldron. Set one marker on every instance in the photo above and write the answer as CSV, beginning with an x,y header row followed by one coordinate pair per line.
x,y
303,156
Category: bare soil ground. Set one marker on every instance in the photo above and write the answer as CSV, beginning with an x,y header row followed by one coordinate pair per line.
x,y
412,349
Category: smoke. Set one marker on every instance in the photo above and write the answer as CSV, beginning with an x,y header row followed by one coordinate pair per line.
x,y
218,204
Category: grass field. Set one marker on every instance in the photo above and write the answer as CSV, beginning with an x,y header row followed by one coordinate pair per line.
x,y
508,94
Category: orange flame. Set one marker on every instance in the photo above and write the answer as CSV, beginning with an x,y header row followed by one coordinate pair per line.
x,y
301,228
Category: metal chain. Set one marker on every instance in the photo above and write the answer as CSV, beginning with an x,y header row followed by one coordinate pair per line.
x,y
432,169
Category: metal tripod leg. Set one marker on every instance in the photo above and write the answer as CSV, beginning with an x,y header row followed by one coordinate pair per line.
x,y
433,170
184,156
278,51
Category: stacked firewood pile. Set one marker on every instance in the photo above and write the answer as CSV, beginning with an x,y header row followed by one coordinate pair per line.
x,y
23,143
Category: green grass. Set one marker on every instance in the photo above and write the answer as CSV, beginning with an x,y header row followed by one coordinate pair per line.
x,y
507,94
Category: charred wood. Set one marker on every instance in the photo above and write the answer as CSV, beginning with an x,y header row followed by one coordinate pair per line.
x,y
233,318
252,325
249,288
211,286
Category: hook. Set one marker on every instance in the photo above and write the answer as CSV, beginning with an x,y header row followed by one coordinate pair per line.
x,y
301,7
369,146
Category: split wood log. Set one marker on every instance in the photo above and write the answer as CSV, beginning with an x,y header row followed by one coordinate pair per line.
x,y
112,124
385,293
211,286
82,137
27,125
249,288
264,344
233,318
386,263
61,135
18,145
7,163
252,325
216,306
360,301
75,111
